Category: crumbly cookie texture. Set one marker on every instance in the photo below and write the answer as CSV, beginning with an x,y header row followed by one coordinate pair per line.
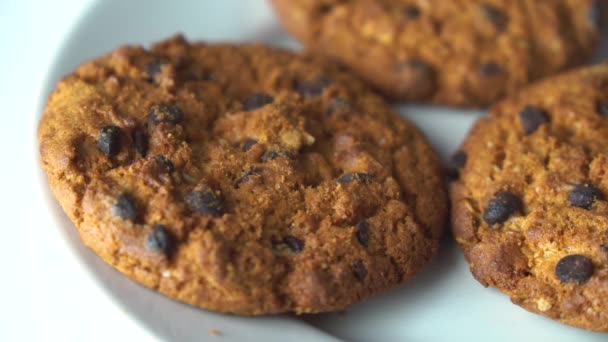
x,y
240,178
459,52
529,209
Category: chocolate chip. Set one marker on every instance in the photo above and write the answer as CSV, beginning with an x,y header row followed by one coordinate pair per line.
x,y
199,76
363,233
489,69
595,14
456,163
108,141
167,113
159,239
359,270
324,9
125,207
355,176
273,154
602,108
164,164
154,67
311,88
256,101
604,248
418,76
494,15
501,207
532,117
338,104
205,202
574,268
584,195
418,66
140,140
214,76
270,155
248,144
294,244
412,12
250,173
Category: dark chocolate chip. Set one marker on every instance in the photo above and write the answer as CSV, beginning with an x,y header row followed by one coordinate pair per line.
x,y
193,77
584,195
602,108
273,154
270,155
167,113
418,66
363,233
294,244
574,268
604,248
532,117
355,176
164,164
214,76
489,69
325,9
494,15
140,140
248,144
338,104
412,12
501,207
108,141
456,163
154,67
256,101
159,239
311,87
199,76
595,14
250,173
205,202
418,76
359,270
125,207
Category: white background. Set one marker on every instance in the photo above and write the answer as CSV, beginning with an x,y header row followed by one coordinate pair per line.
x,y
44,295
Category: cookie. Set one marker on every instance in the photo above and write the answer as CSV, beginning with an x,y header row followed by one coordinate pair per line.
x,y
462,53
240,178
530,209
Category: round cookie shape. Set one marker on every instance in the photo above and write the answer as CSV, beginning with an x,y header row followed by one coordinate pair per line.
x,y
545,243
462,53
241,178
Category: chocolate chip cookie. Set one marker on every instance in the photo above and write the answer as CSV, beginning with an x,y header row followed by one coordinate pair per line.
x,y
240,178
530,207
461,53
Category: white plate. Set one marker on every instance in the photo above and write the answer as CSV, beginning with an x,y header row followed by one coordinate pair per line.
x,y
443,303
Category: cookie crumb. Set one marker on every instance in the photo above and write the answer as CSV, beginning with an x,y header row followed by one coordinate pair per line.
x,y
543,304
215,332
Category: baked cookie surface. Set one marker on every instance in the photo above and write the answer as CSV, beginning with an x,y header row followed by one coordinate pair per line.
x,y
240,178
529,209
462,52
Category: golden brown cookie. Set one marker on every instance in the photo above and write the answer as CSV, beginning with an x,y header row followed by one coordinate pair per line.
x,y
529,209
457,52
241,179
